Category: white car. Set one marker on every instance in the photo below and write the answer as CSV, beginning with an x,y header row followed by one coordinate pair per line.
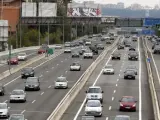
x,y
18,96
67,44
4,110
58,47
88,54
108,69
61,82
17,117
94,93
67,50
22,56
88,43
75,66
93,107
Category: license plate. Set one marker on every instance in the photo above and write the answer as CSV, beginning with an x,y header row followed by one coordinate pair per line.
x,y
127,107
60,84
129,77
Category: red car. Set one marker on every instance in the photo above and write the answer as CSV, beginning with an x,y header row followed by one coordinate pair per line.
x,y
13,61
127,103
41,51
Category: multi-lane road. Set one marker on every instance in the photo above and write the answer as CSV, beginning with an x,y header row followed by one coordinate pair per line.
x,y
41,103
114,87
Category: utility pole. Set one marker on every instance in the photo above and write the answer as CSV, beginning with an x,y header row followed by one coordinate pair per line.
x,y
1,9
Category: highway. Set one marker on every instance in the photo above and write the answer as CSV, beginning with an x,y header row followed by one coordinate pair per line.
x,y
114,87
41,103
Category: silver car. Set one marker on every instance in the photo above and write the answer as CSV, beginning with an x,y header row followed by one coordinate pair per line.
x,y
4,110
61,82
18,96
17,117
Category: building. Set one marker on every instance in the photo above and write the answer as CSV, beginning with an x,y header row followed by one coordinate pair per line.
x,y
120,5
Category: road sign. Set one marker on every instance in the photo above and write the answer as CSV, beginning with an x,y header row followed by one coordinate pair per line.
x,y
149,60
50,51
148,32
151,21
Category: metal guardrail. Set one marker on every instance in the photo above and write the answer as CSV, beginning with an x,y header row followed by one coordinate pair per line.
x,y
155,103
70,96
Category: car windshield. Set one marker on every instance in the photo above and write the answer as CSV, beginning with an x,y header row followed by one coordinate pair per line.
x,y
74,64
109,66
94,90
3,106
17,92
129,72
22,54
131,67
133,53
121,118
115,54
32,79
17,117
93,104
27,70
61,79
127,99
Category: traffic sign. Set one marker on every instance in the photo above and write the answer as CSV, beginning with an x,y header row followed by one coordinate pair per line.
x,y
50,51
149,60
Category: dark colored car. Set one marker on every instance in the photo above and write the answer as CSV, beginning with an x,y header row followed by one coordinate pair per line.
x,y
82,51
94,49
129,74
32,83
75,54
2,89
132,67
100,47
116,56
127,44
132,48
108,42
133,56
27,72
112,38
127,103
13,60
156,50
120,46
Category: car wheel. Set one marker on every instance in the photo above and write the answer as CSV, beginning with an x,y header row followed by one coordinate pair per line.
x,y
26,89
120,109
79,69
119,58
39,89
70,69
101,100
24,100
112,58
124,77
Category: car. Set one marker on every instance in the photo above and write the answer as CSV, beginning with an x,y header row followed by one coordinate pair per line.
x,y
58,47
100,47
132,48
43,49
156,50
4,110
61,82
93,107
88,43
134,38
120,46
108,69
12,61
133,56
75,54
112,38
95,51
2,90
67,44
94,93
108,42
17,95
82,51
129,74
87,54
27,72
17,117
127,103
67,50
122,117
32,83
22,56
116,55
132,67
88,118
75,67
90,36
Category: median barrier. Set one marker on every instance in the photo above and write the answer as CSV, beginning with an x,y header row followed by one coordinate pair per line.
x,y
151,86
70,96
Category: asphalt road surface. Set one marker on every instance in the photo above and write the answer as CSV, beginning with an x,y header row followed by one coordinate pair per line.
x,y
114,87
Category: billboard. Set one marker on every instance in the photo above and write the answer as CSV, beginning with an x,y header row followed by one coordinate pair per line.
x,y
3,30
83,12
151,21
47,9
29,9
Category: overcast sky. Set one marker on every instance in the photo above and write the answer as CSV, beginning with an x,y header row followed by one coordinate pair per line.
x,y
128,2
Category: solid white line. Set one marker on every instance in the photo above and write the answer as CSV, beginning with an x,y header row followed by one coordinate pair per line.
x,y
106,118
116,85
49,86
12,81
5,101
33,101
114,91
140,90
23,111
110,107
42,93
112,98
84,101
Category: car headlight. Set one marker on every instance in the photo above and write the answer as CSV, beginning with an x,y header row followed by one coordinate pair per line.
x,y
35,85
121,104
134,105
4,113
31,73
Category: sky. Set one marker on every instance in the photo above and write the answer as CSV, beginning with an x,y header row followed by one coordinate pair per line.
x,y
127,2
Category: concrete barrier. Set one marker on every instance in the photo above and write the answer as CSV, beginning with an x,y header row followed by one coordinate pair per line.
x,y
70,96
151,86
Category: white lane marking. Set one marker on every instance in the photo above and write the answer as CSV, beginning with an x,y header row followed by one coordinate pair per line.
x,y
114,91
84,101
116,85
120,70
23,111
40,75
61,61
106,118
5,101
112,98
66,71
119,75
117,79
47,71
57,64
33,101
12,81
140,90
110,107
42,93
49,86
